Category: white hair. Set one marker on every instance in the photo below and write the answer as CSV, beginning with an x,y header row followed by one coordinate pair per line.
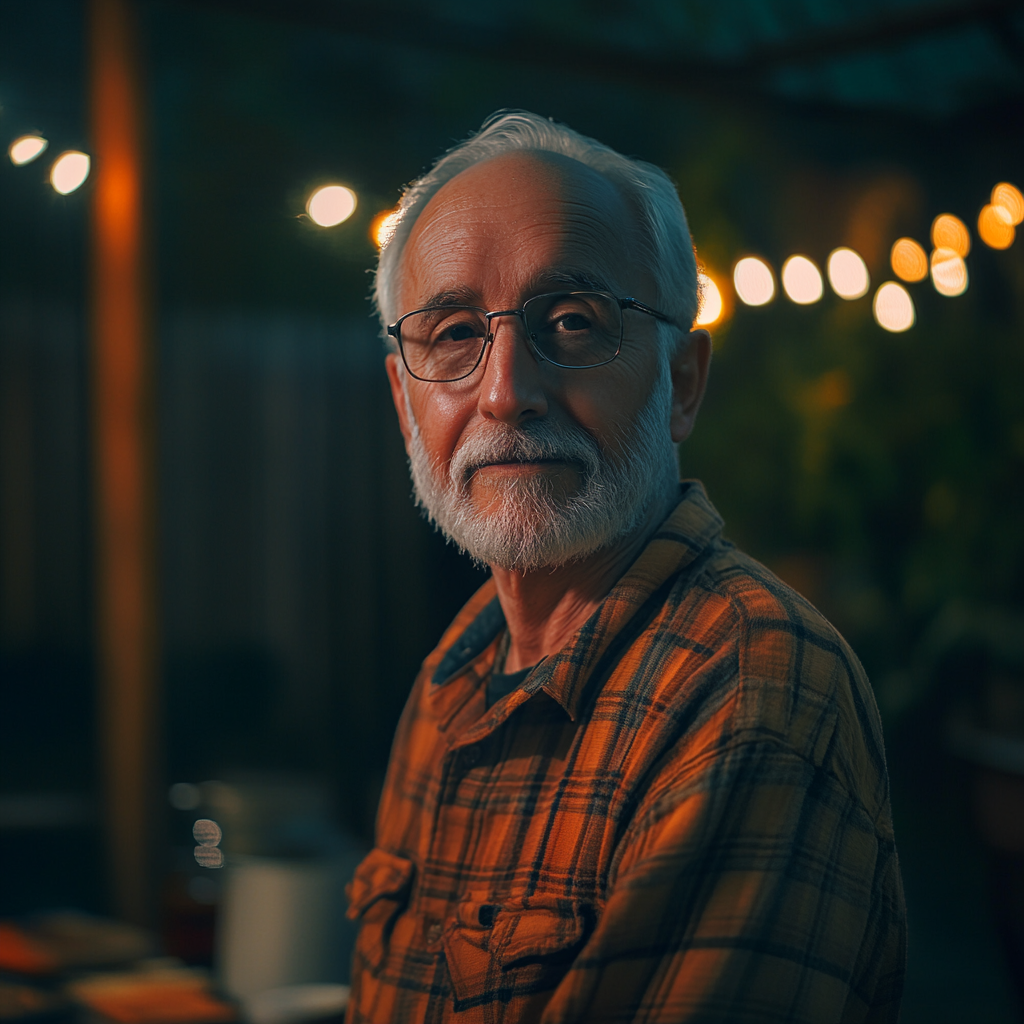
x,y
664,247
530,527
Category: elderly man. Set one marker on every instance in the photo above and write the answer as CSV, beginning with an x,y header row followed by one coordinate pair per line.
x,y
639,778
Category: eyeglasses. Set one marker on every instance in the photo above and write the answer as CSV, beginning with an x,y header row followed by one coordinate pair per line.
x,y
574,330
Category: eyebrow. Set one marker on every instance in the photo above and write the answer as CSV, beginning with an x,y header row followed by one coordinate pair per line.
x,y
461,295
571,278
457,296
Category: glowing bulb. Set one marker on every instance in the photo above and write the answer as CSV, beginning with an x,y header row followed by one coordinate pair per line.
x,y
995,227
331,205
848,274
909,260
710,302
801,280
383,227
754,281
25,149
893,307
949,232
949,272
69,172
1010,199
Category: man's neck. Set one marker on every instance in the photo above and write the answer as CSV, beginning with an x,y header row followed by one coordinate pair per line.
x,y
545,607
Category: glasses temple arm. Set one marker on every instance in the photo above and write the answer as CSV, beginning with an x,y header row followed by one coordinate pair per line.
x,y
642,307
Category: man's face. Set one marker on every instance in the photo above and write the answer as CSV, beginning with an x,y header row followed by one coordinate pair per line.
x,y
521,446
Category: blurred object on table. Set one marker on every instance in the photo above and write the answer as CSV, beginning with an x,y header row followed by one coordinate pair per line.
x,y
282,916
283,922
69,940
298,1004
161,992
276,915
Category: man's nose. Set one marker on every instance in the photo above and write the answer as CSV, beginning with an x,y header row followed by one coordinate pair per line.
x,y
512,388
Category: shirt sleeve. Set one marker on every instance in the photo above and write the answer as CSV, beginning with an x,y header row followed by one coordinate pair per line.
x,y
755,887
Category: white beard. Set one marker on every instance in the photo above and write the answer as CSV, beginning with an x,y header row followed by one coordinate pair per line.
x,y
531,528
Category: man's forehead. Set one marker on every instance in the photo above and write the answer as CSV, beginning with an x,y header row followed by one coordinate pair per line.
x,y
517,192
524,173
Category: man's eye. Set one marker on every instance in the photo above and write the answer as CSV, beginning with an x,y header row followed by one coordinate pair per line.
x,y
457,332
572,322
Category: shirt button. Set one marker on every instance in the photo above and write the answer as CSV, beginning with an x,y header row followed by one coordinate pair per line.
x,y
434,932
470,756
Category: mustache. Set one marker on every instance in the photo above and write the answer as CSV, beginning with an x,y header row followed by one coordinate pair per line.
x,y
533,441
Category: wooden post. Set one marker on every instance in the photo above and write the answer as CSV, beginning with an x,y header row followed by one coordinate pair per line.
x,y
123,463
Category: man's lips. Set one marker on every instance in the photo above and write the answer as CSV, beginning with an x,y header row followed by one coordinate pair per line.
x,y
517,465
520,462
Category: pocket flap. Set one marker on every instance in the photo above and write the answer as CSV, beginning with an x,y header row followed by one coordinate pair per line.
x,y
541,928
537,936
380,874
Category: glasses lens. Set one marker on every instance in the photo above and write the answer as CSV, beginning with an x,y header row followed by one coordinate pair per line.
x,y
443,343
575,328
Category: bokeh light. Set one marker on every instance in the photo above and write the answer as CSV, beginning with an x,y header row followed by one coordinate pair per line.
x,y
801,280
893,307
754,281
848,273
949,232
710,301
330,205
1010,199
69,172
909,260
25,149
206,832
949,272
184,796
995,228
208,857
383,227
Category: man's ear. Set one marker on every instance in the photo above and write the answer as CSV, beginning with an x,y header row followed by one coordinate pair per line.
x,y
689,368
393,364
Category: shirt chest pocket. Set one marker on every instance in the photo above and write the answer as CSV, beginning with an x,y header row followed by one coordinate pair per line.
x,y
377,894
520,948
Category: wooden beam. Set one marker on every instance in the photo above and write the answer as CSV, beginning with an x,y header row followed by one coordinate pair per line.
x,y
123,447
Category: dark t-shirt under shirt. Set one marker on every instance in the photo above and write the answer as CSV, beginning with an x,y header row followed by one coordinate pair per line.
x,y
501,684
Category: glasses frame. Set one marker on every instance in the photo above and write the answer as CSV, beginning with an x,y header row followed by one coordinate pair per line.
x,y
628,302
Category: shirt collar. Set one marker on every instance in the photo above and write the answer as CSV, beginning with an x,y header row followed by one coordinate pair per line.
x,y
477,636
682,541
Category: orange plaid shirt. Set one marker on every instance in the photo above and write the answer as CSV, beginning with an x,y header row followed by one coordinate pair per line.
x,y
681,816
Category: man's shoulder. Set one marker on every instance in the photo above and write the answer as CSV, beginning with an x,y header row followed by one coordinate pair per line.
x,y
783,672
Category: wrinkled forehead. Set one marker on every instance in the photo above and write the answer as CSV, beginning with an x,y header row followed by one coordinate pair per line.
x,y
517,202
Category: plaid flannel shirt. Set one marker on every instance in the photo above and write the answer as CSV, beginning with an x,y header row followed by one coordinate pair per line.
x,y
681,816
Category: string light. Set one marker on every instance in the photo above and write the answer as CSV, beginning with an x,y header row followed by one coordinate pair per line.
x,y
801,280
995,228
710,301
949,232
893,308
909,260
1010,199
383,227
949,272
26,148
753,281
69,172
330,205
848,273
